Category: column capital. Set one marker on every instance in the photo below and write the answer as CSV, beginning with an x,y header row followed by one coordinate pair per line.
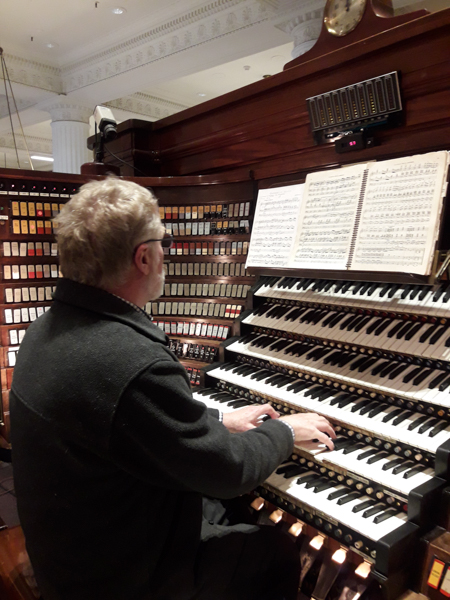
x,y
64,109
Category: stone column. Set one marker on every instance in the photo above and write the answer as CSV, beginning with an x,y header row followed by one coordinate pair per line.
x,y
70,130
301,19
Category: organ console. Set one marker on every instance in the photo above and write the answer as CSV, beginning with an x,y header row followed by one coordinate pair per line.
x,y
345,350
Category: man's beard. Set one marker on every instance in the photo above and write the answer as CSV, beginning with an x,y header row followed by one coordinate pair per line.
x,y
157,287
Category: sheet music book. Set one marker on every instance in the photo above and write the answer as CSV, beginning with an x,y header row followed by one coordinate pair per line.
x,y
381,216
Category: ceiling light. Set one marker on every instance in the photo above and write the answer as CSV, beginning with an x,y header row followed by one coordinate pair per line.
x,y
201,94
118,10
47,158
51,45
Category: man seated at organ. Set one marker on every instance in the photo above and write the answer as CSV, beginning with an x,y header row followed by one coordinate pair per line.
x,y
112,454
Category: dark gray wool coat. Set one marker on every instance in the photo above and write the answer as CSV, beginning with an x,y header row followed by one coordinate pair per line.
x,y
111,454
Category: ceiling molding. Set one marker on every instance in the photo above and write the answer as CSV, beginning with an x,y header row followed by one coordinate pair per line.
x,y
32,73
146,105
215,20
35,144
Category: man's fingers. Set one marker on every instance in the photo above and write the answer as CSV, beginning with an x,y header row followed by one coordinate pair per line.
x,y
267,409
322,437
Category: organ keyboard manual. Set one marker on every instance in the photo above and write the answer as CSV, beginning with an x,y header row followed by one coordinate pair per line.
x,y
370,351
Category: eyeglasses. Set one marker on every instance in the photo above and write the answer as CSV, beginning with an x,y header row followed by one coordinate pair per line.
x,y
166,242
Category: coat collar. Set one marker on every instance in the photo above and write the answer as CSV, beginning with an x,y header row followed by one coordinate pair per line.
x,y
112,307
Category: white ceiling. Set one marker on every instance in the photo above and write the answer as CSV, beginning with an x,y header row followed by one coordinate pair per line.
x,y
85,33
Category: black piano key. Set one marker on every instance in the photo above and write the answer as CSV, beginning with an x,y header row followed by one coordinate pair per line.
x,y
376,411
402,417
393,374
366,286
417,422
363,505
384,290
348,400
297,386
374,325
367,364
438,428
326,485
307,478
359,405
444,385
405,292
205,391
357,287
385,372
342,442
415,292
438,379
370,512
327,393
404,330
335,320
330,318
411,374
403,467
412,332
379,367
427,333
373,288
284,467
391,464
438,334
439,292
339,398
417,469
238,403
379,330
312,391
376,457
338,493
387,514
394,413
353,448
227,366
395,328
424,293
348,498
313,482
293,470
359,361
366,409
350,324
428,425
392,290
362,324
367,453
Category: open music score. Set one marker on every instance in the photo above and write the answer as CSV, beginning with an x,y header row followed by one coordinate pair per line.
x,y
400,217
276,216
382,216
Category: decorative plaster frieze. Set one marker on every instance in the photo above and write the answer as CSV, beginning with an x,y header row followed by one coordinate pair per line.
x,y
217,19
146,105
33,74
301,20
35,144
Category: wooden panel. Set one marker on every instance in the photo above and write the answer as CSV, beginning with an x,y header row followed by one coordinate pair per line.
x,y
263,129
